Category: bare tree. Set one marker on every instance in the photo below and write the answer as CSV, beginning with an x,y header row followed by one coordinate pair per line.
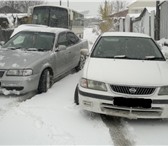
x,y
105,10
119,5
20,5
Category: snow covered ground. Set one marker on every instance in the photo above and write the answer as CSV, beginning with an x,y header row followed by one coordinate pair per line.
x,y
53,119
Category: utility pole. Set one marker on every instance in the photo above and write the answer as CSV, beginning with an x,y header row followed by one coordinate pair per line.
x,y
68,3
60,2
157,26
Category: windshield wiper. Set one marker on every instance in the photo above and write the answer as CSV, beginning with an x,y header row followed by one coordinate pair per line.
x,y
126,57
117,56
36,49
121,56
153,58
13,48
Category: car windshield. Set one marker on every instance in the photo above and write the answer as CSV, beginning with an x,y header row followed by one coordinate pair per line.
x,y
127,48
31,41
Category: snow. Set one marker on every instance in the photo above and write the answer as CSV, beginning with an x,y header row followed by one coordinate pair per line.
x,y
1,57
163,43
149,132
15,65
150,9
131,34
133,15
53,119
2,64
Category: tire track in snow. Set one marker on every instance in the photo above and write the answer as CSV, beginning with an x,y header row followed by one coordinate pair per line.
x,y
118,131
56,135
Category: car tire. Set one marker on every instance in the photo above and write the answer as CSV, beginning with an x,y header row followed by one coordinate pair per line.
x,y
81,63
45,81
76,97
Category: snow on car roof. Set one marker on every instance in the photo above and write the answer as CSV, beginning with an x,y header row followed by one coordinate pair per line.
x,y
37,28
128,34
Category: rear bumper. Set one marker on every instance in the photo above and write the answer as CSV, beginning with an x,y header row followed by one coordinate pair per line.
x,y
104,104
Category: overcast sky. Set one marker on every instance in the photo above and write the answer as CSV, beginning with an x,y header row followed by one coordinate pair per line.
x,y
84,5
81,5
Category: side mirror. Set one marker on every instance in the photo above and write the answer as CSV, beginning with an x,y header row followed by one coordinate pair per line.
x,y
61,48
165,55
2,43
84,52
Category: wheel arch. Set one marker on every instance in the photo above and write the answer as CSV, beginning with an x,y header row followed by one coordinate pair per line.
x,y
47,66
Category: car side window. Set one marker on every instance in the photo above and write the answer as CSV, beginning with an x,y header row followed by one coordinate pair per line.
x,y
72,38
62,39
19,40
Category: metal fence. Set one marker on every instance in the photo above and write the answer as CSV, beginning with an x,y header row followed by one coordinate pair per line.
x,y
164,20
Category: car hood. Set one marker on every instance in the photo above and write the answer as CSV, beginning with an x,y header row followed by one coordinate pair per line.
x,y
127,72
18,58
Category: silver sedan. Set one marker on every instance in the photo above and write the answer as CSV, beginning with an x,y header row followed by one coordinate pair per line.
x,y
34,57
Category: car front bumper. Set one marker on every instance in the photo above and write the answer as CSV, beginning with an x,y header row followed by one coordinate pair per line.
x,y
103,102
18,84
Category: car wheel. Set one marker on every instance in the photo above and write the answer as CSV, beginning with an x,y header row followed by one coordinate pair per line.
x,y
76,97
45,81
81,63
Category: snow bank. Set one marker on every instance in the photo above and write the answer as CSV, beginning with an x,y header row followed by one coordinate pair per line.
x,y
163,43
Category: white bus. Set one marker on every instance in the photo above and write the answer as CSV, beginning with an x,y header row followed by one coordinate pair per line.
x,y
57,16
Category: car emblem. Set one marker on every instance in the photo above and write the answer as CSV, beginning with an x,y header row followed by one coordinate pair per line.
x,y
132,90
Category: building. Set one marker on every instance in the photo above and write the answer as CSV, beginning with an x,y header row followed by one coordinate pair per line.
x,y
163,19
117,17
139,5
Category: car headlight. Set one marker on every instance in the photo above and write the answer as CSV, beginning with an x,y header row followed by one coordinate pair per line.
x,y
163,90
96,85
19,72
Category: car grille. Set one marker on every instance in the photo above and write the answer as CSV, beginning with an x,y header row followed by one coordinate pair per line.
x,y
1,73
151,112
132,90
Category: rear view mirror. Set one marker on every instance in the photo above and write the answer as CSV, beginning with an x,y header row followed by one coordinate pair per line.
x,y
61,48
84,52
165,55
2,43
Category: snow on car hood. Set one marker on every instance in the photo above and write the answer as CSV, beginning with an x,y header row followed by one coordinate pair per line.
x,y
18,58
127,72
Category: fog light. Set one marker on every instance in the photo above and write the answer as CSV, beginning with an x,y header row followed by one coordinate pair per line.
x,y
87,103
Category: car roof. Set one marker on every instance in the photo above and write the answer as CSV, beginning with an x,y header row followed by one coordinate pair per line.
x,y
38,28
127,34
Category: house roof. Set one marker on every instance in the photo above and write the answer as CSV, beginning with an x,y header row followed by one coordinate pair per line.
x,y
7,9
143,12
122,13
164,1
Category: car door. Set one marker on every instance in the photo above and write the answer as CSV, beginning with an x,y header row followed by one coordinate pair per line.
x,y
73,49
61,54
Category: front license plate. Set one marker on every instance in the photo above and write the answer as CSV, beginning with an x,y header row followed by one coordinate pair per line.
x,y
132,102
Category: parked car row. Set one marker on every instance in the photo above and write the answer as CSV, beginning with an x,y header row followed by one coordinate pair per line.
x,y
125,74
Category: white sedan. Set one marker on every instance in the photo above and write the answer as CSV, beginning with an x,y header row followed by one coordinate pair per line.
x,y
125,75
